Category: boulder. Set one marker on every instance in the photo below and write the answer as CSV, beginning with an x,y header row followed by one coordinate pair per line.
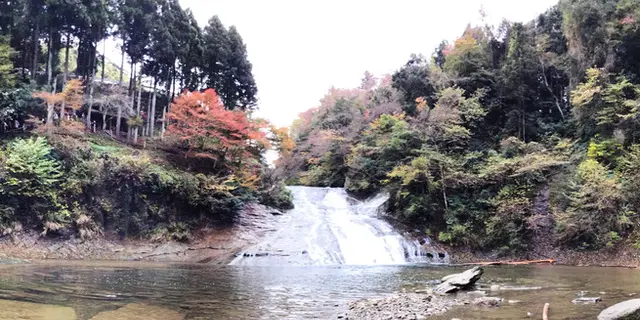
x,y
458,281
626,310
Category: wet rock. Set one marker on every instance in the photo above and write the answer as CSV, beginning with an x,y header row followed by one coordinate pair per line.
x,y
458,281
586,300
139,311
487,302
626,310
305,251
262,254
275,212
34,311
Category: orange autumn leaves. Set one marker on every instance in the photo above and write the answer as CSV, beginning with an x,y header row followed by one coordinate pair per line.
x,y
71,97
201,122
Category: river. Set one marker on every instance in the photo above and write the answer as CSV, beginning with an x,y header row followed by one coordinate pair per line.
x,y
241,292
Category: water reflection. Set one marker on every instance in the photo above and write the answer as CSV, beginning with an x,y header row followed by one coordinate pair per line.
x,y
234,292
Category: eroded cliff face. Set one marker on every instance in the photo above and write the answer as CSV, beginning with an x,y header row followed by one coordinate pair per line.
x,y
216,245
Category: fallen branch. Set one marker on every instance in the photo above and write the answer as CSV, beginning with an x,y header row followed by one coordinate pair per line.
x,y
498,263
545,312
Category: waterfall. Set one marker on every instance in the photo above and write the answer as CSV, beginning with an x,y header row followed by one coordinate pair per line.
x,y
328,227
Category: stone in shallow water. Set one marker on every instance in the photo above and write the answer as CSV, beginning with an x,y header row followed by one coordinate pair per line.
x,y
34,311
586,300
139,311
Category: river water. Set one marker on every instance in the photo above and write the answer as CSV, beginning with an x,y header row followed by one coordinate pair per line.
x,y
296,292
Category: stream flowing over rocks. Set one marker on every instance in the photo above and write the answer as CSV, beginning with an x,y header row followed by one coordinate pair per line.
x,y
328,227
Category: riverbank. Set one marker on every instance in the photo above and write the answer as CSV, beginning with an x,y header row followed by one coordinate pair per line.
x,y
215,245
621,256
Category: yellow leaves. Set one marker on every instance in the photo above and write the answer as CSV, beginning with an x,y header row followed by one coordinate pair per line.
x,y
282,141
584,92
417,171
421,104
48,98
72,95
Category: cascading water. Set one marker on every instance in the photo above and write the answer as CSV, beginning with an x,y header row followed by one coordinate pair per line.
x,y
327,227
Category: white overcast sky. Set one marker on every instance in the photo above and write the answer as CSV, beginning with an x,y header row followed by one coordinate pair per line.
x,y
299,49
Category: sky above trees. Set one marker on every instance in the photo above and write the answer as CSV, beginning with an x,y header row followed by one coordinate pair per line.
x,y
299,49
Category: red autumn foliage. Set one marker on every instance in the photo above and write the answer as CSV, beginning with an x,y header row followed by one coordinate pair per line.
x,y
201,122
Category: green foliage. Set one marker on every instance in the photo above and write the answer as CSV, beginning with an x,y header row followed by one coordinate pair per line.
x,y
30,184
7,79
595,209
413,81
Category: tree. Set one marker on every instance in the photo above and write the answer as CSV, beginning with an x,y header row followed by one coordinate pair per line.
x,y
215,38
111,103
412,81
71,97
201,123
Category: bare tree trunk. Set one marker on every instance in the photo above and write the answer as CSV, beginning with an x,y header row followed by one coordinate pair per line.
x,y
50,111
135,132
546,84
90,103
34,64
66,59
147,126
122,64
118,119
104,120
131,77
104,63
152,115
164,121
50,56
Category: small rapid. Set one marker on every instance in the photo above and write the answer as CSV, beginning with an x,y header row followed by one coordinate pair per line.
x,y
328,227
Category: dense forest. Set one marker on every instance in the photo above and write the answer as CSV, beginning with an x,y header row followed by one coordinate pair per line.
x,y
511,135
90,147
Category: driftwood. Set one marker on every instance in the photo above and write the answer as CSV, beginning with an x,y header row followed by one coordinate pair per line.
x,y
511,263
545,312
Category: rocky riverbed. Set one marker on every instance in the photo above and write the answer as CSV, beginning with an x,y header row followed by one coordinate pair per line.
x,y
412,306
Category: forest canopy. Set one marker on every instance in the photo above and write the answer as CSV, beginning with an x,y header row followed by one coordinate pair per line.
x,y
508,134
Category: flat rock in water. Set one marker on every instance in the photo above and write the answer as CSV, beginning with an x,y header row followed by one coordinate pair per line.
x,y
139,311
455,282
626,310
34,311
586,300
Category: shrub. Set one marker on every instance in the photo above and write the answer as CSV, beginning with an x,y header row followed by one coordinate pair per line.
x,y
31,183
